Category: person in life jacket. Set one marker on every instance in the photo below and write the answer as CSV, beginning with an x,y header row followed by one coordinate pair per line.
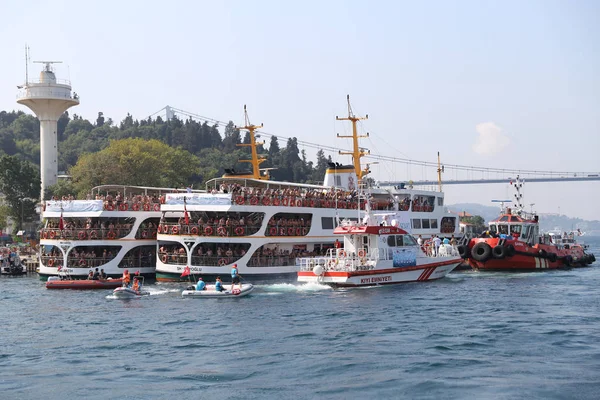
x,y
136,284
126,278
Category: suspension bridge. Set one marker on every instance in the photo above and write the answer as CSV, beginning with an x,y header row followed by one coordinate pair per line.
x,y
475,174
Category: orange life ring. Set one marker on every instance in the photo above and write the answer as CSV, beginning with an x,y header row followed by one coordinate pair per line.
x,y
164,258
194,230
291,231
82,262
221,231
341,253
222,262
93,235
51,262
285,202
298,203
109,207
304,231
81,235
160,229
239,231
135,207
273,231
208,231
266,201
162,199
52,234
312,203
239,200
254,200
276,201
156,207
111,235
174,230
123,207
298,231
45,235
361,253
146,207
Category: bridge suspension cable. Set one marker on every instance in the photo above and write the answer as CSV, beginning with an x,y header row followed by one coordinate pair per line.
x,y
171,111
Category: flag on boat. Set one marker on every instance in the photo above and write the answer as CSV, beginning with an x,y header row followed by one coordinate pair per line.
x,y
185,213
186,271
59,268
61,223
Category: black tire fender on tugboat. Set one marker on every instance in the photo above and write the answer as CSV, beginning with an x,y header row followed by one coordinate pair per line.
x,y
568,260
481,252
542,253
463,251
510,250
499,252
552,257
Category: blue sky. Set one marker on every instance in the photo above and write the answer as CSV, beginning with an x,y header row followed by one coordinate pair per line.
x,y
490,83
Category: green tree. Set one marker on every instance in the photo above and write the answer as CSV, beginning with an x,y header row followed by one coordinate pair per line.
x,y
134,162
20,183
4,214
100,119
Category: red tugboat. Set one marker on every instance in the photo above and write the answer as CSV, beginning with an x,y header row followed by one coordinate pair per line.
x,y
514,243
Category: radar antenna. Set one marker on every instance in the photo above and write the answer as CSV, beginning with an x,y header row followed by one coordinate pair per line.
x,y
48,64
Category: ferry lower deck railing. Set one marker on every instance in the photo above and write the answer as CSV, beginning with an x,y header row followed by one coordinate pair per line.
x,y
214,261
95,262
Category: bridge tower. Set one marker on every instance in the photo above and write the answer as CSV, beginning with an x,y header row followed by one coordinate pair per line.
x,y
48,98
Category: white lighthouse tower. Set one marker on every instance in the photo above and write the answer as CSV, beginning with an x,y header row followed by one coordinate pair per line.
x,y
48,98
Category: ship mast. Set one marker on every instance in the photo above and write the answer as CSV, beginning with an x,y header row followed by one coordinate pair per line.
x,y
357,152
440,169
256,159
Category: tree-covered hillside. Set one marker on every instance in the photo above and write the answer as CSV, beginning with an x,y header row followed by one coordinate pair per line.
x,y
147,152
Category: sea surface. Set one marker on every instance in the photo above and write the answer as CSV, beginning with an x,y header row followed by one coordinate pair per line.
x,y
468,336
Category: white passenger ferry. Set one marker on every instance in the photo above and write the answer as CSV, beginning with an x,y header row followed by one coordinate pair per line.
x,y
114,229
263,226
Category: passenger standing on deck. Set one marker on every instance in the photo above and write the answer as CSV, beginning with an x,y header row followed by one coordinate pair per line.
x,y
437,242
235,277
201,285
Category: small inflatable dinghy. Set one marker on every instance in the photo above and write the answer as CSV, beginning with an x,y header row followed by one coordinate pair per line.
x,y
210,292
128,293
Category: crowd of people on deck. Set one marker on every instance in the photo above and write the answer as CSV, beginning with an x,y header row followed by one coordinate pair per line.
x,y
214,224
96,228
431,246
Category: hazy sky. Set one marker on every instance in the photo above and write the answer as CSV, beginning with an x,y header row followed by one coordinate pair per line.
x,y
507,84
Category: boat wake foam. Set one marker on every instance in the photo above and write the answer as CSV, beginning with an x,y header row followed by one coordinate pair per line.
x,y
289,287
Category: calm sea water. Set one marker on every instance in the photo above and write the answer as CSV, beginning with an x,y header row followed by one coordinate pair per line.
x,y
471,335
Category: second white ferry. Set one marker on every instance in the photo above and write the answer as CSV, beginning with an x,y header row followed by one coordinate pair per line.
x,y
264,226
